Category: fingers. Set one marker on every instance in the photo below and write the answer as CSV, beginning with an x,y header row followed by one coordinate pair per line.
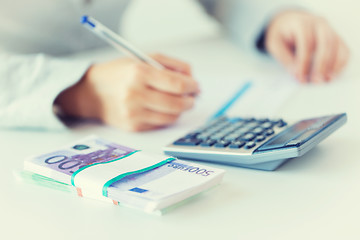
x,y
158,97
146,109
140,97
167,103
153,118
308,44
304,50
331,55
168,81
173,64
325,55
283,52
142,119
343,56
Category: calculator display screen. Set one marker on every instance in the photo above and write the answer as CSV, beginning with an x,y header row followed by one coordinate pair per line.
x,y
298,133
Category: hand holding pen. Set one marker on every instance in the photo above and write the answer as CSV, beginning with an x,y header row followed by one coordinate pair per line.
x,y
137,95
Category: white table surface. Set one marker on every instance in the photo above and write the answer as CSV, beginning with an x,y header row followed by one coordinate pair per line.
x,y
316,196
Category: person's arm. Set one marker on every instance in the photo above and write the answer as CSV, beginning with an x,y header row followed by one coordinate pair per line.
x,y
29,85
132,95
122,92
303,42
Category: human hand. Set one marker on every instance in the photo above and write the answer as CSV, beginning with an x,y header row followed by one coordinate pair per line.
x,y
307,46
132,95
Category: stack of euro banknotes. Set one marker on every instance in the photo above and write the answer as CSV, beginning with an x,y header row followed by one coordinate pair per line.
x,y
100,169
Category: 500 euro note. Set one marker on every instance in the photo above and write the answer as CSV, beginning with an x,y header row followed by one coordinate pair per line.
x,y
103,169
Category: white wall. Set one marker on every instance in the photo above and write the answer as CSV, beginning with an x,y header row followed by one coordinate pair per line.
x,y
161,21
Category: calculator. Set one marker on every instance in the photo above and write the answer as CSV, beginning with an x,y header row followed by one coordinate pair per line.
x,y
263,144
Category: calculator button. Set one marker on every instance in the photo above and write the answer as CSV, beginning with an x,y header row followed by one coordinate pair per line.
x,y
252,125
258,130
226,131
203,136
208,143
249,119
187,142
249,145
213,129
235,120
218,120
225,123
210,131
276,121
238,124
248,137
231,137
217,126
237,144
208,126
192,135
217,136
281,124
222,144
260,138
267,125
269,132
262,120
241,131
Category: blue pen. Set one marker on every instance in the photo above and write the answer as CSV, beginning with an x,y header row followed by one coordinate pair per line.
x,y
244,88
118,42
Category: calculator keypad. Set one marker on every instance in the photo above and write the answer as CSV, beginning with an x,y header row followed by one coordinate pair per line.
x,y
263,144
232,133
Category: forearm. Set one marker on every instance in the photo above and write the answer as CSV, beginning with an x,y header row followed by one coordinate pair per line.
x,y
29,85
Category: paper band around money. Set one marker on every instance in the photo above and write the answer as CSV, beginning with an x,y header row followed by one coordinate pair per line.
x,y
95,179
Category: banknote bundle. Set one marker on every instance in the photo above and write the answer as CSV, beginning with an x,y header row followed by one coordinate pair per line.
x,y
100,169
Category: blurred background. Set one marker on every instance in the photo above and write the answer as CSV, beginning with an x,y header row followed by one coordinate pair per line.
x,y
171,22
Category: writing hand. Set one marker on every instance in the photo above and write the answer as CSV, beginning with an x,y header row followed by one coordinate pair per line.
x,y
132,95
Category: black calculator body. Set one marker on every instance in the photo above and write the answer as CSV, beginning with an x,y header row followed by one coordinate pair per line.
x,y
263,144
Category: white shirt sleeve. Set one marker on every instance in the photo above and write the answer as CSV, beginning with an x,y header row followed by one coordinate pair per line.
x,y
30,81
245,20
29,86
